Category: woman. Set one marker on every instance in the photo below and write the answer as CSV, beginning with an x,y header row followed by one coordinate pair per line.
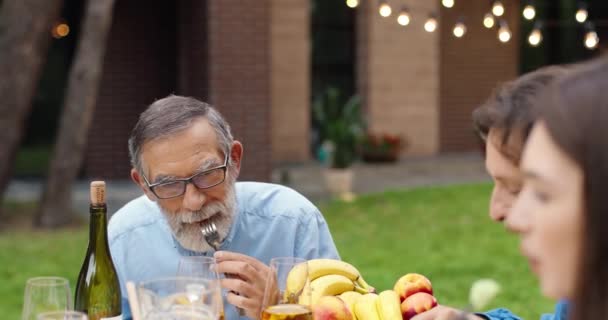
x,y
561,213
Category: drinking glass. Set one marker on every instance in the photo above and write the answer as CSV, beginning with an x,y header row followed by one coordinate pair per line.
x,y
43,294
62,315
287,292
205,268
179,298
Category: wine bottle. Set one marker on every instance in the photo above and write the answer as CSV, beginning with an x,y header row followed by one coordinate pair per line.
x,y
98,289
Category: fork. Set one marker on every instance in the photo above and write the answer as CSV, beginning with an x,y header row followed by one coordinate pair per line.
x,y
211,235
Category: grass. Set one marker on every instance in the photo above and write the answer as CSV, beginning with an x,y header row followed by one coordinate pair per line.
x,y
443,233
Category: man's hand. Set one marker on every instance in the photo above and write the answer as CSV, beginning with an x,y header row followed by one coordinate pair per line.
x,y
245,281
444,313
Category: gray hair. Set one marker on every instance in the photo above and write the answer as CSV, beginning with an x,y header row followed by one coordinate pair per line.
x,y
171,115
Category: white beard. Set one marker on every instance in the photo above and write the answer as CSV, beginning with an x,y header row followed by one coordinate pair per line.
x,y
185,225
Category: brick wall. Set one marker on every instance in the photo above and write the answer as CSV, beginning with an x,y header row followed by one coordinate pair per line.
x,y
139,67
471,67
217,51
290,80
397,74
239,80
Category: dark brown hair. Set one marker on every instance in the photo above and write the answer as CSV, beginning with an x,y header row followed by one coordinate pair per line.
x,y
575,111
510,108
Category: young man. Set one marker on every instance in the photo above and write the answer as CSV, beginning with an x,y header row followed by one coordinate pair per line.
x,y
504,122
186,162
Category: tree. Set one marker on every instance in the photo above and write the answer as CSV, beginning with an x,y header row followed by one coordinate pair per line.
x,y
79,105
25,36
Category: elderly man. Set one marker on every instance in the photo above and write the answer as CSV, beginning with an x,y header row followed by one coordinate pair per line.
x,y
186,162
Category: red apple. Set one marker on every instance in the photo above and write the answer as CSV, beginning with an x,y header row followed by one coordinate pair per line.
x,y
412,283
331,308
417,303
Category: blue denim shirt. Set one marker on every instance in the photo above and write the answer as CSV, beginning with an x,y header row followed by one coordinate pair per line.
x,y
561,310
271,221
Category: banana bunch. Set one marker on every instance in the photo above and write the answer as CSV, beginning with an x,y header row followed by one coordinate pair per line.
x,y
383,306
328,277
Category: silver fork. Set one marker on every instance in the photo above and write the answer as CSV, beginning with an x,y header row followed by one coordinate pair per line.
x,y
211,235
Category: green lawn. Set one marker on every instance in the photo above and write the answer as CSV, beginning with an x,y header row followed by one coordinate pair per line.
x,y
443,233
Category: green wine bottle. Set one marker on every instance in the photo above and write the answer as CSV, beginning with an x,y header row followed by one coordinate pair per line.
x,y
98,289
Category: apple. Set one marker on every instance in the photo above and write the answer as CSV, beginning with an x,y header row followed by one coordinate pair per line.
x,y
331,308
417,303
412,283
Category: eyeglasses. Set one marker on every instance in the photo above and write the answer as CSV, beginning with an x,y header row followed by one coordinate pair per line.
x,y
202,180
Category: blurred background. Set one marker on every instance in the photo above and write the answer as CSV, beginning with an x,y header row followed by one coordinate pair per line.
x,y
400,77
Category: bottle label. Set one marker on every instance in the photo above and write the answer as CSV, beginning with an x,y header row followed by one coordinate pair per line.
x,y
118,317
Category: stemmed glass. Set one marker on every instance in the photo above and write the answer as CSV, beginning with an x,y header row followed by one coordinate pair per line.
x,y
287,292
62,315
178,298
205,268
43,294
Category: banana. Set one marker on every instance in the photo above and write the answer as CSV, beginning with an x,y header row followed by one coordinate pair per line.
x,y
321,267
317,268
296,281
365,307
350,297
389,306
329,285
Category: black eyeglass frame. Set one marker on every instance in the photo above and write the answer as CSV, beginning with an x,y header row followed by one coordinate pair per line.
x,y
186,181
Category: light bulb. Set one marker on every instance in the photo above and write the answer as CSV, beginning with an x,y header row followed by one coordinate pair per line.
x,y
447,3
60,30
404,18
591,40
535,37
581,15
459,30
488,20
498,9
504,34
385,10
430,25
529,12
352,3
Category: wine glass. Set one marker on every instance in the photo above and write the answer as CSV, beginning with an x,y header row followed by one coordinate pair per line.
x,y
43,294
179,298
205,268
287,292
62,315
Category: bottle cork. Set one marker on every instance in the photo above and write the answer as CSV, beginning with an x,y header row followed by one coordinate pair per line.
x,y
98,192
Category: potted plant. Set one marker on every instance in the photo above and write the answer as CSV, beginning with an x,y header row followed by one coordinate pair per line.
x,y
340,126
383,147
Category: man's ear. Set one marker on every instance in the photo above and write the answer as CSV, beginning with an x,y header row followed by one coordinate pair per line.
x,y
236,156
142,184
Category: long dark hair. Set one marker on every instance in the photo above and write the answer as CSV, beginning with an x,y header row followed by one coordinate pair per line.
x,y
575,111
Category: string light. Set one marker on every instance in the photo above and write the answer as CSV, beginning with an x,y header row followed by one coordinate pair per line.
x,y
591,38
352,3
504,34
536,36
459,29
60,30
498,9
488,20
404,17
529,11
431,24
447,3
384,9
581,14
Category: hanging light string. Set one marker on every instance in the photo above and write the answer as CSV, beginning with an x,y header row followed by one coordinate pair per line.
x,y
493,17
